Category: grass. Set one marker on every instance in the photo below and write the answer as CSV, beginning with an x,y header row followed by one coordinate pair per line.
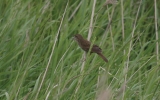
x,y
39,59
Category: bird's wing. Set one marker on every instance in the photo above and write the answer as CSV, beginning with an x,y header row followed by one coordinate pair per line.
x,y
96,49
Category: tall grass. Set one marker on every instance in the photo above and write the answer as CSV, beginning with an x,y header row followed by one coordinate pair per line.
x,y
39,59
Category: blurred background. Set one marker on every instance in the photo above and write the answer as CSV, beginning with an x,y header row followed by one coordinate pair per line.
x,y
39,60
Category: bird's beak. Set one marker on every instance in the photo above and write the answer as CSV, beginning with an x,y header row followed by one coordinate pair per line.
x,y
73,38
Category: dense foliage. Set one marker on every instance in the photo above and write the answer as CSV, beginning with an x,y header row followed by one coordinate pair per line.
x,y
39,59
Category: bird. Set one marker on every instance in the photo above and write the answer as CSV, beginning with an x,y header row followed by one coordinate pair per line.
x,y
85,45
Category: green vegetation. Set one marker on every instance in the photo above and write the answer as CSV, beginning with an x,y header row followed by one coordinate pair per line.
x,y
40,61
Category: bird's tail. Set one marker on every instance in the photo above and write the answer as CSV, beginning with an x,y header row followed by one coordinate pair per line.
x,y
103,57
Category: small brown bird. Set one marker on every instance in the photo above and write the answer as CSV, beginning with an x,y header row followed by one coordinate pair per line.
x,y
85,45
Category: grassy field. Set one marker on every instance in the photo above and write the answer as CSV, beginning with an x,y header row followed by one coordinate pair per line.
x,y
39,60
